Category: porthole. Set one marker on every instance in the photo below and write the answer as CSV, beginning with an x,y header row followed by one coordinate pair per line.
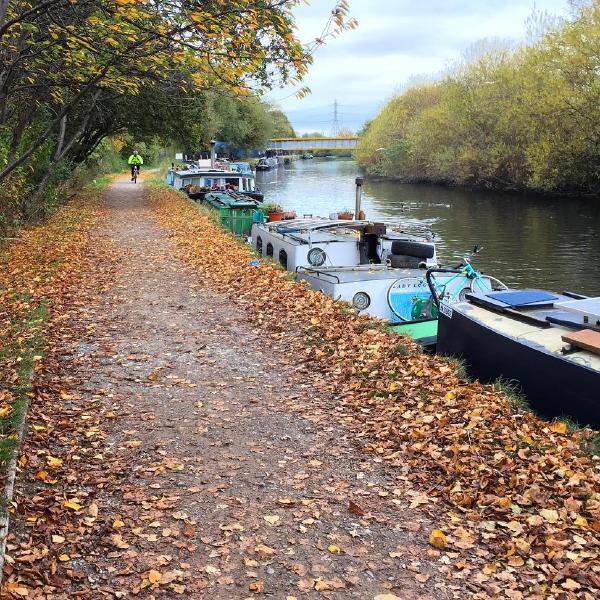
x,y
283,258
361,301
270,250
259,244
316,257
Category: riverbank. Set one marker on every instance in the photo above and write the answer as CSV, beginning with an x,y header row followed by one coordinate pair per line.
x,y
209,427
484,187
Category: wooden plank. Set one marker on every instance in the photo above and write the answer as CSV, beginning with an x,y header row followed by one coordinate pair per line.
x,y
586,339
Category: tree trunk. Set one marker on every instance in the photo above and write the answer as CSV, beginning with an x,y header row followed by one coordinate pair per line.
x,y
3,11
42,138
32,203
25,119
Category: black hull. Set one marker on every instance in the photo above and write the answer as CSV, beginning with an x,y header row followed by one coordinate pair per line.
x,y
554,387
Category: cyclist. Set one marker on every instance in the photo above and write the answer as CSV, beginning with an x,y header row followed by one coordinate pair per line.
x,y
135,160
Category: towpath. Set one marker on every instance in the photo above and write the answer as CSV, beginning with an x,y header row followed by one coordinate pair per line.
x,y
189,457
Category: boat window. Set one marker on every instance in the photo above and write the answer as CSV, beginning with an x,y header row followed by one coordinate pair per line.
x,y
283,258
259,244
270,249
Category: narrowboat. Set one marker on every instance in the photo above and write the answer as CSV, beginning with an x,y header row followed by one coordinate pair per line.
x,y
377,268
265,164
197,181
547,342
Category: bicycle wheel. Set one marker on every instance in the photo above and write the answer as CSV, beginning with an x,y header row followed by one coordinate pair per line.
x,y
135,174
479,285
451,288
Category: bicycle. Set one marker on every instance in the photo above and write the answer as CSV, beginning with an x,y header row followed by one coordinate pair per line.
x,y
466,279
136,172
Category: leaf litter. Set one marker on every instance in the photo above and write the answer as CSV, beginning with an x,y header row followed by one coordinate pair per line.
x,y
519,490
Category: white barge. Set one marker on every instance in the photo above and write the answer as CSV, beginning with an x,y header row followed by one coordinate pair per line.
x,y
377,268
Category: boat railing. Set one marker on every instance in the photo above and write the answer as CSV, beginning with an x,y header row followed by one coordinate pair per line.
x,y
309,271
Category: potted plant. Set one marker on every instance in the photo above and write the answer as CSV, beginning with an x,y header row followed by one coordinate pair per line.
x,y
273,211
345,215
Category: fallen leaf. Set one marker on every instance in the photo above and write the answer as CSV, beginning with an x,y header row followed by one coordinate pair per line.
x,y
271,519
438,539
258,587
154,576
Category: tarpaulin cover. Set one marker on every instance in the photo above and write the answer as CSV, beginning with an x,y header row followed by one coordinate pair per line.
x,y
522,297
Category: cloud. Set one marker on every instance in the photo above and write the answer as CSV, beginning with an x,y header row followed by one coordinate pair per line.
x,y
396,40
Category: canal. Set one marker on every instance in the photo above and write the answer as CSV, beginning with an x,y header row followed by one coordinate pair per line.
x,y
551,243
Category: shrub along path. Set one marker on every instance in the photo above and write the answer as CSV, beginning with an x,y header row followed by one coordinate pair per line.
x,y
199,430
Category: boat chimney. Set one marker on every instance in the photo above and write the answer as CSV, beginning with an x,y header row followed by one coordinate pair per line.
x,y
213,154
359,183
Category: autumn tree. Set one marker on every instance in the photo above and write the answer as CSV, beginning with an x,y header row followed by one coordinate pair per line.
x,y
67,66
510,118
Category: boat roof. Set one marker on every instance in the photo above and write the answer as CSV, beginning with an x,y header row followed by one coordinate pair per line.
x,y
311,231
362,273
537,307
212,173
531,327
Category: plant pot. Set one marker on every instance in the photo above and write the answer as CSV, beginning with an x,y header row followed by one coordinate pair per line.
x,y
345,216
275,216
289,215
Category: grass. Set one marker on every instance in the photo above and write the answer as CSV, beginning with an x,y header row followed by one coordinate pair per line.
x,y
21,349
511,388
156,181
99,184
402,349
459,365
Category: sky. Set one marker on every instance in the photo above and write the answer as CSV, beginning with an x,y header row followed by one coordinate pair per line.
x,y
396,40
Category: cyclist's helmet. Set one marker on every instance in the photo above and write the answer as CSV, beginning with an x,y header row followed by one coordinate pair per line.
x,y
135,152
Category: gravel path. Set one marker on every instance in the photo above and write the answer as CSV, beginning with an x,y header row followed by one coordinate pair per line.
x,y
224,477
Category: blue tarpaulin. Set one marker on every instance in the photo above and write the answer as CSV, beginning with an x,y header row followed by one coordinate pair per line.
x,y
522,297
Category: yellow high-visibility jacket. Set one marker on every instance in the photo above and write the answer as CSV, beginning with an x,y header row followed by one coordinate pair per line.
x,y
135,159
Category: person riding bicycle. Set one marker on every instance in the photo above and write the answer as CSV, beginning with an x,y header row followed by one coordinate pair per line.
x,y
135,160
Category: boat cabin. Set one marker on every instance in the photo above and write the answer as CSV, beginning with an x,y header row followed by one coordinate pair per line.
x,y
213,179
341,243
264,164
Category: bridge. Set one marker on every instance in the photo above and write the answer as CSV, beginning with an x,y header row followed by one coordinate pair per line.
x,y
312,144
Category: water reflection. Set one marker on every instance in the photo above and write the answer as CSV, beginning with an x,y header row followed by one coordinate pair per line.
x,y
528,241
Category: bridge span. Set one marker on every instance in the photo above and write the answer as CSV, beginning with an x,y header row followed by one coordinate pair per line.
x,y
312,144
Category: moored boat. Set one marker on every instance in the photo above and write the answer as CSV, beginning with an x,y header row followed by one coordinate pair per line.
x,y
198,181
549,343
377,268
265,164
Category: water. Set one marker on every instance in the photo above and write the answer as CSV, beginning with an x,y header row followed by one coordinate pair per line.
x,y
551,243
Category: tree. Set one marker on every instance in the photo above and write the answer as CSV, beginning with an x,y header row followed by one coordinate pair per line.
x,y
510,118
74,72
280,124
